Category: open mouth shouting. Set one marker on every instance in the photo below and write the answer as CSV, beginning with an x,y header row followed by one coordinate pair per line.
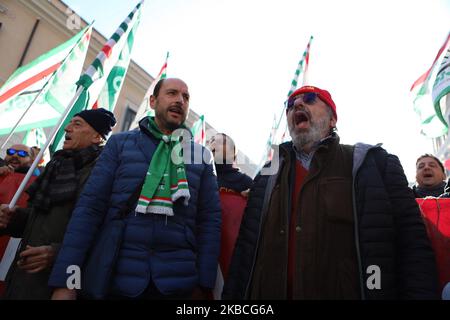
x,y
302,119
176,112
67,137
428,175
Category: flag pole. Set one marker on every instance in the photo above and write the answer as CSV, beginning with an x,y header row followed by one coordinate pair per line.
x,y
41,153
23,115
142,110
40,93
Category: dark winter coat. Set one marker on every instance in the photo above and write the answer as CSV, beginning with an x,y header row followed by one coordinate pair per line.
x,y
232,178
38,228
177,253
388,230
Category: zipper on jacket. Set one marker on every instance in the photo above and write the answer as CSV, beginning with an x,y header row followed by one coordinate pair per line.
x,y
358,249
355,216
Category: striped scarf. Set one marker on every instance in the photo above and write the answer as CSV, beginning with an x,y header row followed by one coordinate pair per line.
x,y
60,180
166,180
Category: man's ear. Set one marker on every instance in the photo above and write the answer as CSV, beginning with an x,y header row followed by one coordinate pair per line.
x,y
96,138
152,102
333,122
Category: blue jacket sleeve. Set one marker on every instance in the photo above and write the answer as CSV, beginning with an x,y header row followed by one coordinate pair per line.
x,y
209,220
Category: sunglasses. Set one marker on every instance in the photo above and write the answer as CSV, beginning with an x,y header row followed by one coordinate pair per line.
x,y
307,98
20,153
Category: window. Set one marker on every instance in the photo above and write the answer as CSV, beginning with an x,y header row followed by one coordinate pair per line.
x,y
128,118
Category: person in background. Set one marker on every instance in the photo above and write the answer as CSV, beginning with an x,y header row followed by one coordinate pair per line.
x,y
17,163
430,177
34,153
234,186
12,172
229,177
52,197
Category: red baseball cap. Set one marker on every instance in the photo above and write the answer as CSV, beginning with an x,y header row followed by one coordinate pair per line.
x,y
324,95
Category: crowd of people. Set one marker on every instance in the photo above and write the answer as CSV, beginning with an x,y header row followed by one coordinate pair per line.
x,y
333,221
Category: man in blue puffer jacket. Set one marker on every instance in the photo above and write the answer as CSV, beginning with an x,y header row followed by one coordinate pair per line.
x,y
172,239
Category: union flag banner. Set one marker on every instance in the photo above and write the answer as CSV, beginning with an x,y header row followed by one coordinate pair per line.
x,y
233,206
436,215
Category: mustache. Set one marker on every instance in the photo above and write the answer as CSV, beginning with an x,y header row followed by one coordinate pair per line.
x,y
305,111
176,108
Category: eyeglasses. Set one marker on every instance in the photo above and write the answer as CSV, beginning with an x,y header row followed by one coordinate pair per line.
x,y
20,153
307,98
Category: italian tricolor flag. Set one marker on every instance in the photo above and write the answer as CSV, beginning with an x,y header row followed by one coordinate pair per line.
x,y
49,81
103,79
145,109
198,131
432,125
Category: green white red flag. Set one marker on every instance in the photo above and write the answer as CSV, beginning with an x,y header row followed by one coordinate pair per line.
x,y
432,124
47,82
36,138
302,68
103,79
145,109
198,131
441,86
279,136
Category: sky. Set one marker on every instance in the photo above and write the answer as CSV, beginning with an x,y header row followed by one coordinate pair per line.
x,y
238,58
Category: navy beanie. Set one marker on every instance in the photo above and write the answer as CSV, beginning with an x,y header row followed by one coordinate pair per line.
x,y
100,119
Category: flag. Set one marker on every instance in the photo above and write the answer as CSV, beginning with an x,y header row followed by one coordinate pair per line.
x,y
268,150
145,109
277,136
198,131
36,138
50,79
233,206
441,86
103,79
431,125
302,67
436,217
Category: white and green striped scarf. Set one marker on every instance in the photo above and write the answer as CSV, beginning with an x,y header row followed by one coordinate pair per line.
x,y
166,181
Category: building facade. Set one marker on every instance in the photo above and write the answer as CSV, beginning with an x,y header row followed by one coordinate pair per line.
x,y
29,28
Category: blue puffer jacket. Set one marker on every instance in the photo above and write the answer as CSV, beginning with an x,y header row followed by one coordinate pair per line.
x,y
177,253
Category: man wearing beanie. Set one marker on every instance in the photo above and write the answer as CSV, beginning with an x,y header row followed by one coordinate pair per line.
x,y
333,222
171,241
52,198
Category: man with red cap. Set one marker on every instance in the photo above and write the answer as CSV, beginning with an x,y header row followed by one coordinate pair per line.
x,y
333,222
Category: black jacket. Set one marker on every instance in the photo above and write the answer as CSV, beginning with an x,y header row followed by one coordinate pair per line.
x,y
389,231
230,177
436,191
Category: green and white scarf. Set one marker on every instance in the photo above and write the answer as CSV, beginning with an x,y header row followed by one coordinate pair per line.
x,y
166,180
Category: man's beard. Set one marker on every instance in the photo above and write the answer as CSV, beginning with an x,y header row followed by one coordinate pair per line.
x,y
315,133
164,119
